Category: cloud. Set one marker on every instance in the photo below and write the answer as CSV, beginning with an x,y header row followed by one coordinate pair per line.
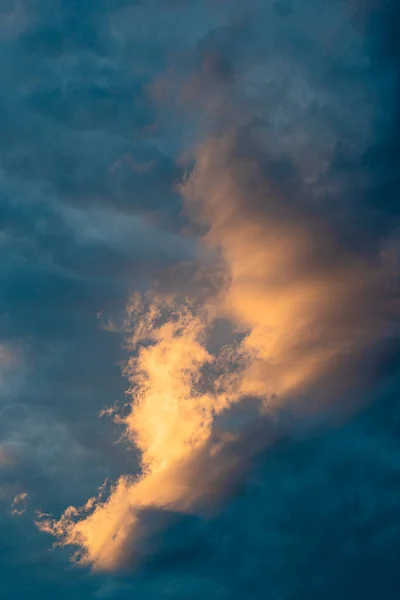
x,y
291,122
306,299
169,422
305,303
18,505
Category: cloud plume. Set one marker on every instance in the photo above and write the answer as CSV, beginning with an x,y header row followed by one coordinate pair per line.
x,y
300,303
174,401
304,295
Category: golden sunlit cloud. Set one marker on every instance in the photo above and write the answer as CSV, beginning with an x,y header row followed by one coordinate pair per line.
x,y
300,303
303,299
174,402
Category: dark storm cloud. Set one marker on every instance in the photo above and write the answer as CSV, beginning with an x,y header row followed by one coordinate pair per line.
x,y
80,179
316,517
83,145
74,109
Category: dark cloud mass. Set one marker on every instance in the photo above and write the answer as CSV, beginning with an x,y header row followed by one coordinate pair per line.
x,y
141,142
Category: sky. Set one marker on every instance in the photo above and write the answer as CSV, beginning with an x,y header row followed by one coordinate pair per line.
x,y
199,301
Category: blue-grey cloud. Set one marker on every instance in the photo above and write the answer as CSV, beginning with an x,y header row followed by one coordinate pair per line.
x,y
98,102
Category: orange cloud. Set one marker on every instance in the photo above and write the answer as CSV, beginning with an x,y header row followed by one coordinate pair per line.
x,y
303,299
302,302
170,422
